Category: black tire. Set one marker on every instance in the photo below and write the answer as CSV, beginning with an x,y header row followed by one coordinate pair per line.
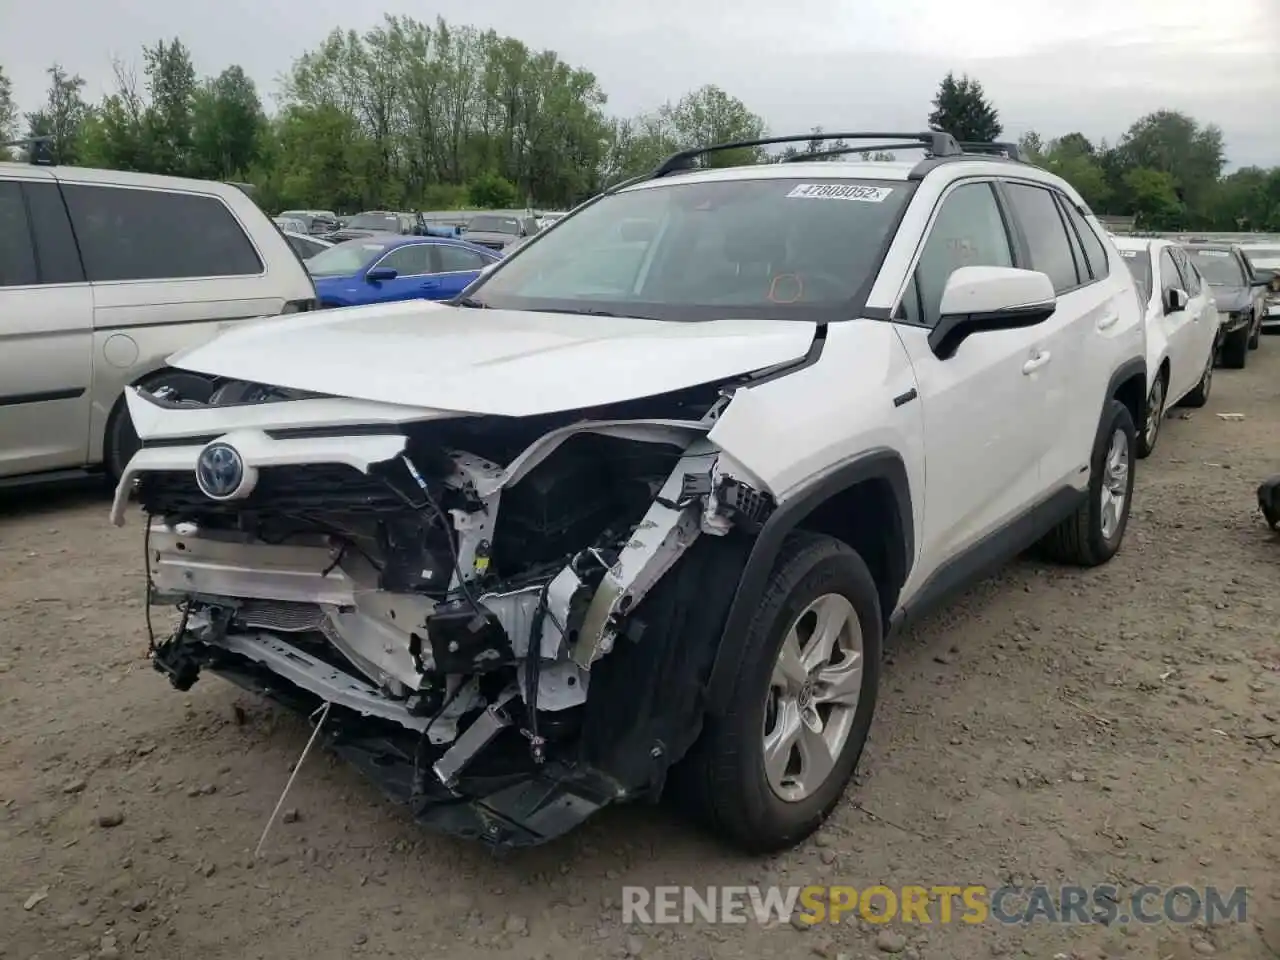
x,y
1199,396
1235,349
1079,540
722,781
1155,412
121,441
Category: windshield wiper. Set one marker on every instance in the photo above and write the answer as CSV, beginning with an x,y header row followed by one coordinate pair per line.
x,y
590,313
471,302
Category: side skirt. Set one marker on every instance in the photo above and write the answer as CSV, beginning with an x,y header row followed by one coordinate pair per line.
x,y
986,556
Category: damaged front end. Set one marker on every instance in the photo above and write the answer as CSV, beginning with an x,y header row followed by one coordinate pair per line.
x,y
480,599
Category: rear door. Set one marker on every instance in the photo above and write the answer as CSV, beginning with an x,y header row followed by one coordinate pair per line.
x,y
1197,334
46,331
412,263
1058,240
455,268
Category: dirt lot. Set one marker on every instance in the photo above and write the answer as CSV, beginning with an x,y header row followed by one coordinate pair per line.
x,y
1056,726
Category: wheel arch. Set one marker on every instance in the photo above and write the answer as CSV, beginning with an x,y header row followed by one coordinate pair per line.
x,y
1128,384
865,502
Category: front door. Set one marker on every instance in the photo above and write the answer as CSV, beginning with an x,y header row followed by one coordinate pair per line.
x,y
986,421
46,335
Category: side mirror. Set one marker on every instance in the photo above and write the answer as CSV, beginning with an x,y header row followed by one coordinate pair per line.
x,y
1175,300
983,299
1260,281
379,274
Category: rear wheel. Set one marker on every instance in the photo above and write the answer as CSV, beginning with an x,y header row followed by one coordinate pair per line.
x,y
770,769
121,441
1092,535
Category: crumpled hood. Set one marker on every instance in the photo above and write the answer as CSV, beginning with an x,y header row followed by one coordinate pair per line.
x,y
498,362
1232,299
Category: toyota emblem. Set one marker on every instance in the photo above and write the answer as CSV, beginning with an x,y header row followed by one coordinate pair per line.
x,y
220,471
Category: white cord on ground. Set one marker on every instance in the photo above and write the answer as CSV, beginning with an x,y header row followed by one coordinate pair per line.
x,y
324,715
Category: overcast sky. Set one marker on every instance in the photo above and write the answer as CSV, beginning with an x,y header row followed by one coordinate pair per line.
x,y
1049,65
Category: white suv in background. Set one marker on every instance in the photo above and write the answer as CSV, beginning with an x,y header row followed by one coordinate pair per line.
x,y
103,274
644,503
1183,329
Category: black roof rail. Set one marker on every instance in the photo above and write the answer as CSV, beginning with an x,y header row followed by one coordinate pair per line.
x,y
1010,151
39,150
936,142
845,151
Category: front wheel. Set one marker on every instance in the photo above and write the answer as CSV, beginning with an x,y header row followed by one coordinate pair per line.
x,y
1092,535
766,773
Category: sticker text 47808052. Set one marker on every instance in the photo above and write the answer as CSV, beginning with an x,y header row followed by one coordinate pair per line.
x,y
840,191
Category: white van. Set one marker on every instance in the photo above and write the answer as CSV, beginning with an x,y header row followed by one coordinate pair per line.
x,y
104,274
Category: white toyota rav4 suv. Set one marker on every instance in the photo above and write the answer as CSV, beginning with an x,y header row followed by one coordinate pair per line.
x,y
644,503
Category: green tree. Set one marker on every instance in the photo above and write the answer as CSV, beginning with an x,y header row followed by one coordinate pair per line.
x,y
62,116
1175,144
490,190
1074,159
226,126
171,85
8,113
962,110
709,115
1153,199
115,136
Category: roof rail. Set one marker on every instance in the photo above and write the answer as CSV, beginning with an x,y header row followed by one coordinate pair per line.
x,y
846,150
39,150
1010,151
936,142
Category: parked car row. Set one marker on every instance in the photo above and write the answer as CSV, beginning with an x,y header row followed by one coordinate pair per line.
x,y
1205,306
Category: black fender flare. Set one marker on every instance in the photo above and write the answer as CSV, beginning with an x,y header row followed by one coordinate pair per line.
x,y
1126,371
881,463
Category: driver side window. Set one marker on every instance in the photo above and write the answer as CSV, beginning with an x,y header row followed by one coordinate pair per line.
x,y
967,232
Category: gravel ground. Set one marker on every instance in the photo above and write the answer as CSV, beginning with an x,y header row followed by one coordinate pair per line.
x,y
1114,726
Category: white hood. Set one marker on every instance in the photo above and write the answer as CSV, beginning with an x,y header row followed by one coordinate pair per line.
x,y
499,362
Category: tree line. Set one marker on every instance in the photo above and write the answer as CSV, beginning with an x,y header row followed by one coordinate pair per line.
x,y
415,115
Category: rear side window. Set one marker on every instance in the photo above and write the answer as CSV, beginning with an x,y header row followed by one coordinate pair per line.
x,y
1046,234
56,253
1189,275
17,256
128,234
1096,264
1170,279
457,259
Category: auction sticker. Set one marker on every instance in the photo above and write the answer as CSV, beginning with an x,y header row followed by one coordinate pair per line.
x,y
1212,253
840,191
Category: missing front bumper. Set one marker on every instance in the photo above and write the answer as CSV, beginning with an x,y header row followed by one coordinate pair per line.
x,y
522,806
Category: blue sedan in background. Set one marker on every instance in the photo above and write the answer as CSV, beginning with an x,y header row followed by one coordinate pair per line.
x,y
382,269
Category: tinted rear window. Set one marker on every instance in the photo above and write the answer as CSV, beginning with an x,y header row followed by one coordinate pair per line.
x,y
1219,267
128,234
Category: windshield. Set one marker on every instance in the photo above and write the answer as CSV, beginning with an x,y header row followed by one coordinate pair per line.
x,y
1139,264
344,259
700,251
374,221
486,223
1219,267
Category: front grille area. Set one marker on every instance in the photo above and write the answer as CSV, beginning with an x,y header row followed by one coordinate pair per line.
x,y
320,488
